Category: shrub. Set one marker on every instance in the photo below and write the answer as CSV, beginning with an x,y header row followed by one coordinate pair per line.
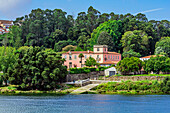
x,y
1,81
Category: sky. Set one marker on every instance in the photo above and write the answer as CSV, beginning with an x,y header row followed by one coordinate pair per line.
x,y
154,9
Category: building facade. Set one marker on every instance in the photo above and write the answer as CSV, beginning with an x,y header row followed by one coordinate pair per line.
x,y
148,57
100,53
5,25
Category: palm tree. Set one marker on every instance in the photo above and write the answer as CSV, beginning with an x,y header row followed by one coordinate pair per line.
x,y
81,56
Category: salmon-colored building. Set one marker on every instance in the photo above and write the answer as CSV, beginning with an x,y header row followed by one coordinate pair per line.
x,y
100,53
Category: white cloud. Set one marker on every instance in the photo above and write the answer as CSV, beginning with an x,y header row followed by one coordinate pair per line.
x,y
12,8
147,11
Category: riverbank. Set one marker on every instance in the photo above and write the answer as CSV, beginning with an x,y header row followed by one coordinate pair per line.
x,y
124,87
134,87
12,90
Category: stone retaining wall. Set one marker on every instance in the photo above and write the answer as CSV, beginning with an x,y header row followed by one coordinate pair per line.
x,y
134,78
82,76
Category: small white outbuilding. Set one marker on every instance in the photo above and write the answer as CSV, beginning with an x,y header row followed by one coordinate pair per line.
x,y
110,71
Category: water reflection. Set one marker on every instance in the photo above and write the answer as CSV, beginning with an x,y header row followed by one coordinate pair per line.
x,y
85,104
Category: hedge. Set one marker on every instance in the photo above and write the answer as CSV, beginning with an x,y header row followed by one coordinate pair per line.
x,y
86,69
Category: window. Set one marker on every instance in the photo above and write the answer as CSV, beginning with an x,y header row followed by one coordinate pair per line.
x,y
75,57
118,57
65,56
70,57
85,56
105,58
70,64
108,56
98,49
80,61
113,57
105,49
97,56
90,56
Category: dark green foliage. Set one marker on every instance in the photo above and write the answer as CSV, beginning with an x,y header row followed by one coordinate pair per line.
x,y
137,41
7,60
61,44
128,65
1,81
38,69
166,85
114,29
157,64
86,69
48,27
105,39
131,53
164,45
91,62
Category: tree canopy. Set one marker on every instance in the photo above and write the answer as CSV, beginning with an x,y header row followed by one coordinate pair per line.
x,y
38,69
128,65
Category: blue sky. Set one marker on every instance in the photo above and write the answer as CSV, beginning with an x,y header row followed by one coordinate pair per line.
x,y
154,9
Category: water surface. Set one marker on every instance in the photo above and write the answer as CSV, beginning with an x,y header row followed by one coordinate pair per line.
x,y
87,103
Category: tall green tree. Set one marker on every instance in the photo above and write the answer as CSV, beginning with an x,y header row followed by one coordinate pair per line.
x,y
81,57
105,39
128,65
164,44
38,69
137,41
113,28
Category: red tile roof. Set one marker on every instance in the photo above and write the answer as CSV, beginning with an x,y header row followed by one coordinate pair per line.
x,y
151,56
90,52
78,52
6,22
114,53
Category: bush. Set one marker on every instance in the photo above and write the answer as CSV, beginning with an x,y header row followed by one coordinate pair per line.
x,y
1,81
144,86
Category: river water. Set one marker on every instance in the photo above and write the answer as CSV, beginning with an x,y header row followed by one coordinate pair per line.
x,y
86,103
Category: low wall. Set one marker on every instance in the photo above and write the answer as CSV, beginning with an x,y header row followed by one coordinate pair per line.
x,y
134,78
82,76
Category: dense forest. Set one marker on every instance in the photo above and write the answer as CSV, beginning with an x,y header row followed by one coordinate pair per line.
x,y
130,35
30,52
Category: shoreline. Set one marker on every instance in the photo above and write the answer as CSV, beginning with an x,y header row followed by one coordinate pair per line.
x,y
66,92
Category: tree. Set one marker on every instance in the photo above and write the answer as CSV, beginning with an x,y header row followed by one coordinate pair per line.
x,y
38,69
105,39
90,62
164,44
157,64
113,28
61,44
160,51
57,36
81,56
128,65
137,41
131,53
7,60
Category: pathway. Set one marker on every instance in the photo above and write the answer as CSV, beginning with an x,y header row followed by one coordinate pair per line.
x,y
84,89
